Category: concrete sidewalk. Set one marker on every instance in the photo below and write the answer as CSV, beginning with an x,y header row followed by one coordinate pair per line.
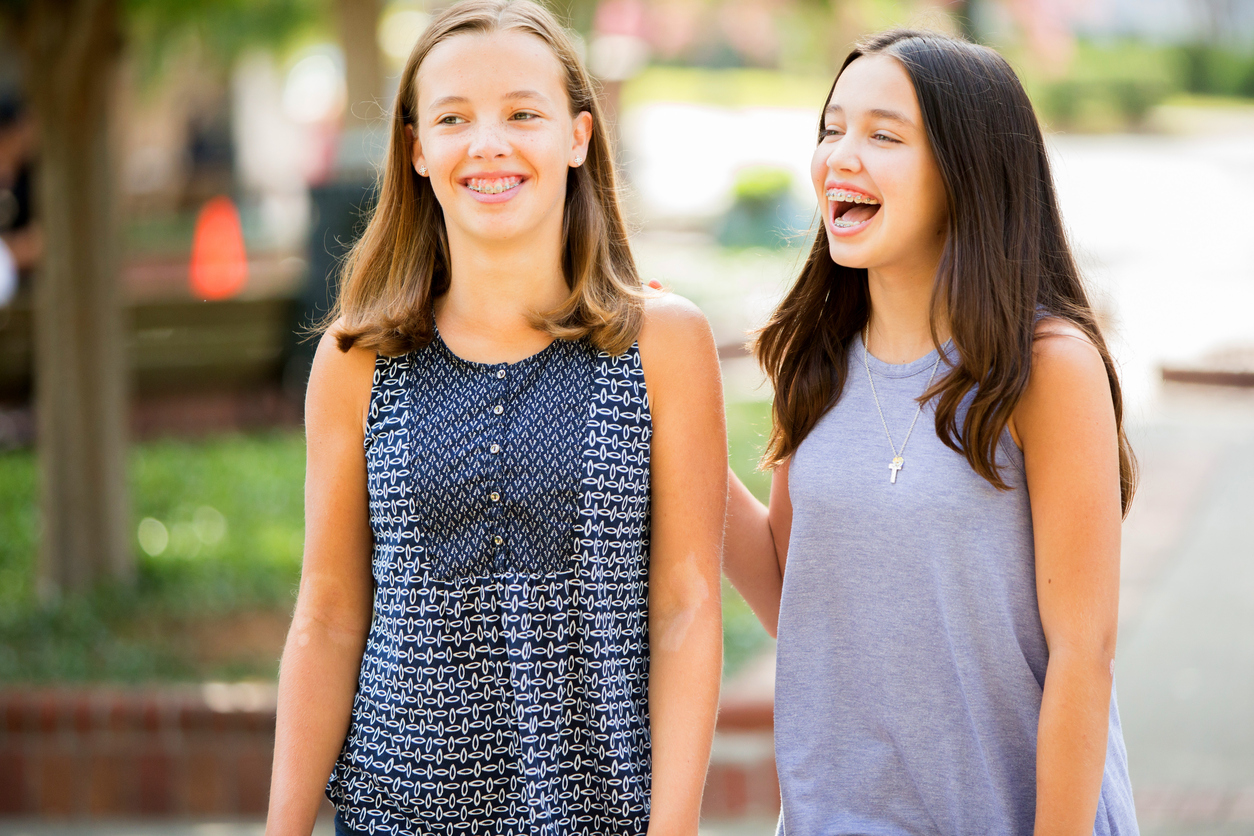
x,y
1185,669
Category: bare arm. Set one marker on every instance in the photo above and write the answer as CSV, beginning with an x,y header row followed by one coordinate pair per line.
x,y
756,547
689,496
1066,425
322,657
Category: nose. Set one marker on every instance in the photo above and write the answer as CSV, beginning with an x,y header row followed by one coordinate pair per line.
x,y
489,142
844,156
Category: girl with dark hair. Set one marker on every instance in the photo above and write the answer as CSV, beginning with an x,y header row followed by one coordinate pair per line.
x,y
945,601
508,619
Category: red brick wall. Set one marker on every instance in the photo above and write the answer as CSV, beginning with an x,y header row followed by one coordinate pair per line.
x,y
194,751
205,751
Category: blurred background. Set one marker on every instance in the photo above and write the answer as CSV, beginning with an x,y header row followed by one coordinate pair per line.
x,y
180,178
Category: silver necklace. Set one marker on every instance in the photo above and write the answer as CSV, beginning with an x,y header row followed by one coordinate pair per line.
x,y
899,460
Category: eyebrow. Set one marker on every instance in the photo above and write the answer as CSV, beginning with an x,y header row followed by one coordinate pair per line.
x,y
445,101
879,113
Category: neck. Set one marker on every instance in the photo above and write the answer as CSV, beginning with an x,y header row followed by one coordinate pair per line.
x,y
494,291
900,327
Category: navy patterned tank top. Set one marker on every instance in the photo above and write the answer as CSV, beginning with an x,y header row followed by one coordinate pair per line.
x,y
504,685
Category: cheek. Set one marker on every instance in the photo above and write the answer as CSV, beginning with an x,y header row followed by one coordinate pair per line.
x,y
818,172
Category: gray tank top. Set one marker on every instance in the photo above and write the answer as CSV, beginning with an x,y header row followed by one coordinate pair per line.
x,y
911,657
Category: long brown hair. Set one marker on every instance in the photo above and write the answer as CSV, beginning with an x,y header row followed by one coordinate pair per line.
x,y
1006,262
400,265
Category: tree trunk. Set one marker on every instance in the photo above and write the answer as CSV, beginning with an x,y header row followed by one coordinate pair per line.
x,y
363,73
72,50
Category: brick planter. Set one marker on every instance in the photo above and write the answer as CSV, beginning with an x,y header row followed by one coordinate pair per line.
x,y
190,751
205,752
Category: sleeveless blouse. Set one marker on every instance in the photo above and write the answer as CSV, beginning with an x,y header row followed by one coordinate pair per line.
x,y
504,684
911,656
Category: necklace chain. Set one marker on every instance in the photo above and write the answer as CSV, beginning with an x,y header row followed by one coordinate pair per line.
x,y
898,455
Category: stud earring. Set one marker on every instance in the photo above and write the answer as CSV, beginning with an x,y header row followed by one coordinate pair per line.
x,y
422,169
578,161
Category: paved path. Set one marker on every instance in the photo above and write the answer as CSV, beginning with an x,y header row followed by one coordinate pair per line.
x,y
1186,650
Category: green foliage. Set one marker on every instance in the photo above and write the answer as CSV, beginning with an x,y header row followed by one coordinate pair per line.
x,y
1215,71
232,512
748,424
761,182
219,30
19,527
1110,86
744,637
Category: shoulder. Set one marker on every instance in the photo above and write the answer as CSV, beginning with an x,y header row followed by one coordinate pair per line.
x,y
677,351
1062,353
339,381
671,323
1067,386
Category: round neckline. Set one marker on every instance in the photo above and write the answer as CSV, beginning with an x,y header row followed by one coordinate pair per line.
x,y
899,370
476,364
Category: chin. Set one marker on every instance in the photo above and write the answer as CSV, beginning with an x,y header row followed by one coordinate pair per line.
x,y
840,254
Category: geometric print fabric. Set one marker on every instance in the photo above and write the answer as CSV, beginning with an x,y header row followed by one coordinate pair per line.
x,y
504,686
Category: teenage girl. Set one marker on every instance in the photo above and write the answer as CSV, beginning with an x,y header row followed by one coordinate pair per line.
x,y
941,552
509,617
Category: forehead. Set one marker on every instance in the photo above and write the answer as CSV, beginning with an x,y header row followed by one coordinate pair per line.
x,y
875,82
484,64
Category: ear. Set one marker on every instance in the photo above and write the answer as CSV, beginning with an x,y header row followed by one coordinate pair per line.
x,y
415,151
582,137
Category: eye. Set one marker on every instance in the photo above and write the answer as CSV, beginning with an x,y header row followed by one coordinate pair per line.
x,y
449,120
829,132
883,137
524,116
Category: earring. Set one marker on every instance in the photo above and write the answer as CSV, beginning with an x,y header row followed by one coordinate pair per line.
x,y
422,169
578,161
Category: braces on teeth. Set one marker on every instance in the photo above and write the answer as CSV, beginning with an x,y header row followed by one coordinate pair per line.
x,y
842,196
493,188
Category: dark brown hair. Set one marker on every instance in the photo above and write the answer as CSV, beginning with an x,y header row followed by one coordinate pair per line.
x,y
1006,262
400,265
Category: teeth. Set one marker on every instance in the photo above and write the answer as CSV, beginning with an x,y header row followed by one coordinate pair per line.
x,y
842,196
841,223
493,186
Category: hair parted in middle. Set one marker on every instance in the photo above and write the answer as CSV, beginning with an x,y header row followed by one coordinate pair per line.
x,y
1006,263
400,265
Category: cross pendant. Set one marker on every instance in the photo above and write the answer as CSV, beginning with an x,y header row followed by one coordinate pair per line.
x,y
897,464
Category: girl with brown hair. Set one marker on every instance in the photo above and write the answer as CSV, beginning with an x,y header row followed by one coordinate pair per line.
x,y
940,555
508,618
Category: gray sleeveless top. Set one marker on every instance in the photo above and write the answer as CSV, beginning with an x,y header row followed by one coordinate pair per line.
x,y
911,656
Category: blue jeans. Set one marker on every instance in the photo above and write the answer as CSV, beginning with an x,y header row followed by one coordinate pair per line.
x,y
342,828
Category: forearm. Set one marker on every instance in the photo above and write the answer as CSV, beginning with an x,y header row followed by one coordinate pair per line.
x,y
317,683
1071,742
749,555
685,668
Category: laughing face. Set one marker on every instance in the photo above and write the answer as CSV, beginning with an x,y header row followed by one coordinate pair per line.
x,y
876,179
496,136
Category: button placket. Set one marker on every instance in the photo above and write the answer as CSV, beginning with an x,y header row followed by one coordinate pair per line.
x,y
496,465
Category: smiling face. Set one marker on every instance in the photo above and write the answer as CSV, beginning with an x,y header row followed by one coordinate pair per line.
x,y
882,196
495,134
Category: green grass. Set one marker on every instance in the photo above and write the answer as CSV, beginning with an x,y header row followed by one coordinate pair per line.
x,y
213,601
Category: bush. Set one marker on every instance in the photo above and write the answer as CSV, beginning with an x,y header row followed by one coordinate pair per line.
x,y
212,593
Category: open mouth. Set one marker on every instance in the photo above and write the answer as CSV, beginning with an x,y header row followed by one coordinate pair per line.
x,y
493,185
850,208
